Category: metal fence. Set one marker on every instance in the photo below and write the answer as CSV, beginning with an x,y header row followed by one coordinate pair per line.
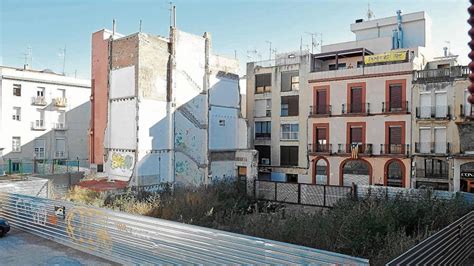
x,y
304,194
42,167
407,193
134,239
451,246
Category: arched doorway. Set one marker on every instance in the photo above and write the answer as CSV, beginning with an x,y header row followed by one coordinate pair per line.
x,y
321,171
357,171
394,173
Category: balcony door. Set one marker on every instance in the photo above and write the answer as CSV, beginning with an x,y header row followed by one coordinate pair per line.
x,y
356,100
321,139
321,101
395,139
395,103
440,140
441,104
425,140
425,105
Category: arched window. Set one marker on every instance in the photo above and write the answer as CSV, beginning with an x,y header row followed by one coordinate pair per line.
x,y
357,172
394,174
321,172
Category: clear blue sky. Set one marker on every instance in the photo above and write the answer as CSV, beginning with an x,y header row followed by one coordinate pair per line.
x,y
241,25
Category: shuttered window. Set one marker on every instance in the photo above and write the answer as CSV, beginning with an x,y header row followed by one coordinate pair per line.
x,y
395,135
356,100
321,101
395,96
289,155
289,105
356,135
263,83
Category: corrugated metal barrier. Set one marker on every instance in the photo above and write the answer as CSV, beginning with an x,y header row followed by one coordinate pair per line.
x,y
134,239
450,246
409,193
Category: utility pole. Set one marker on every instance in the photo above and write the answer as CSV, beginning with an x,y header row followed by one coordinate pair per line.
x,y
270,54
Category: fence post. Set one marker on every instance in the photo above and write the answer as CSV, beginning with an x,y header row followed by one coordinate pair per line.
x,y
67,166
354,191
9,166
299,193
78,168
52,167
324,196
275,199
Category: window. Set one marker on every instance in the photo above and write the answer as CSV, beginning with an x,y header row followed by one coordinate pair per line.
x,y
339,66
321,138
263,129
263,83
356,100
263,108
17,113
292,178
440,140
395,97
424,146
441,104
320,99
16,90
360,64
39,148
263,154
62,93
40,92
435,168
395,139
16,144
356,135
321,173
289,155
395,174
222,123
290,81
289,131
60,148
289,105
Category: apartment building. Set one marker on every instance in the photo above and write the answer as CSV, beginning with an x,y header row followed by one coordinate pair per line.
x,y
173,111
440,104
277,114
43,116
359,125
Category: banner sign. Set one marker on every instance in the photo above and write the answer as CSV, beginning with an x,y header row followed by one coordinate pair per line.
x,y
393,56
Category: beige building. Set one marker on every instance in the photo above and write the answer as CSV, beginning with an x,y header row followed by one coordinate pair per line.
x,y
439,101
277,114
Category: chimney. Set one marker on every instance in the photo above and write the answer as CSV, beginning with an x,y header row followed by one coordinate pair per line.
x,y
445,49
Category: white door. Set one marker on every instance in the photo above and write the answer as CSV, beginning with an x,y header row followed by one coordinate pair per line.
x,y
441,104
440,140
425,140
425,105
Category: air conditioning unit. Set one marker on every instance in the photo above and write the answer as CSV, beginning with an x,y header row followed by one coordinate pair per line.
x,y
265,161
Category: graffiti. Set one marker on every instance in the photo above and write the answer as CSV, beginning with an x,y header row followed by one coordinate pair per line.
x,y
121,161
60,211
52,219
37,212
88,226
181,167
179,139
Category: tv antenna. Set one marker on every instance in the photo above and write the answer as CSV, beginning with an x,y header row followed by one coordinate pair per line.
x,y
251,54
370,13
28,56
270,53
315,42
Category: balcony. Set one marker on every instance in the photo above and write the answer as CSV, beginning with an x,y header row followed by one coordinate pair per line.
x,y
60,126
320,110
439,75
395,149
39,101
430,173
395,107
433,112
360,148
60,102
467,112
263,136
432,148
356,109
38,125
319,148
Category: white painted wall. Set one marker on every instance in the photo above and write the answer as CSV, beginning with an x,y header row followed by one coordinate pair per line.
x,y
77,113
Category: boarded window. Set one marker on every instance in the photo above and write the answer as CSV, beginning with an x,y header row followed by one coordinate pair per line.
x,y
263,154
289,155
263,83
289,81
289,105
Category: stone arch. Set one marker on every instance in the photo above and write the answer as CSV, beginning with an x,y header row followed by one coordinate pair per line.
x,y
358,171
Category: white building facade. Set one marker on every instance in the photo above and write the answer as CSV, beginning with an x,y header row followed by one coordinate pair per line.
x,y
43,116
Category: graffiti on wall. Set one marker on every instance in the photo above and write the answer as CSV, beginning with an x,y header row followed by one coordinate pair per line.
x,y
79,229
120,161
37,212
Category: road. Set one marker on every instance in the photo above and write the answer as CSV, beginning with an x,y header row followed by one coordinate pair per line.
x,y
21,248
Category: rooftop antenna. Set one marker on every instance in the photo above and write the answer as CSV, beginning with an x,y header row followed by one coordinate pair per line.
x,y
172,10
250,53
270,54
64,60
370,13
449,47
140,27
314,40
28,57
113,27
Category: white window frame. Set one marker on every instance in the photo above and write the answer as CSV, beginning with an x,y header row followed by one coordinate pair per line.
x,y
16,144
16,113
57,153
40,152
289,135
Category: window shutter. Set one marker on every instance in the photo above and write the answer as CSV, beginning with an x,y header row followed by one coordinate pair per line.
x,y
356,100
356,135
395,96
321,134
395,135
321,101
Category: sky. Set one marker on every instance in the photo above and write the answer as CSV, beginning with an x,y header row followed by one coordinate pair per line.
x,y
45,27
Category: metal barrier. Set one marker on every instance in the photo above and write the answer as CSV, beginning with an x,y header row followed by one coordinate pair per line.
x,y
304,194
42,167
451,246
134,239
406,193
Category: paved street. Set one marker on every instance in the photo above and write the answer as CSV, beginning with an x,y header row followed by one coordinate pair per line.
x,y
21,248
